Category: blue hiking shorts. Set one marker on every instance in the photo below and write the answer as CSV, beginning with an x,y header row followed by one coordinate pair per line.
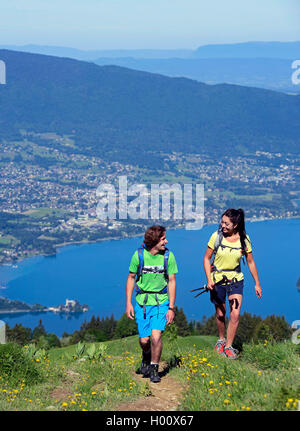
x,y
152,320
218,294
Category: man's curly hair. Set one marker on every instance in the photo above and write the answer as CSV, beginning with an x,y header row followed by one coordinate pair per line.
x,y
153,235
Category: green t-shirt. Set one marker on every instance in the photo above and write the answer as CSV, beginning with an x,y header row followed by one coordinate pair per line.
x,y
152,281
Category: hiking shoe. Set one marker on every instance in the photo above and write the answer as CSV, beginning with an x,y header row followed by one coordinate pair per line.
x,y
219,347
230,352
154,377
144,369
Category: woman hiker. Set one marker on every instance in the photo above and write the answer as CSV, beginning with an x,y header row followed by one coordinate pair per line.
x,y
227,246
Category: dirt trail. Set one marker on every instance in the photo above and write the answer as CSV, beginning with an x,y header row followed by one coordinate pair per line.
x,y
165,395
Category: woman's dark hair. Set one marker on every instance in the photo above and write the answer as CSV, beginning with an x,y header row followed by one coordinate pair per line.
x,y
153,235
237,217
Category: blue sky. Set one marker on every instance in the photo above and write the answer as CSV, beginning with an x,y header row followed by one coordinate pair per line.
x,y
136,24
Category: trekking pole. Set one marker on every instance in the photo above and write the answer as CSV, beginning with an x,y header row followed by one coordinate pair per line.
x,y
204,289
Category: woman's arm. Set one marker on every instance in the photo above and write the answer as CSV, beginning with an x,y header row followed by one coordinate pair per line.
x,y
207,267
254,273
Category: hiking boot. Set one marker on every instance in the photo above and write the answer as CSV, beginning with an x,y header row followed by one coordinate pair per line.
x,y
145,365
230,352
144,369
219,347
154,377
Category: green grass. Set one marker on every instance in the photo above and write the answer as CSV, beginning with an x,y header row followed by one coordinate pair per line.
x,y
268,197
72,384
47,238
41,212
7,239
265,377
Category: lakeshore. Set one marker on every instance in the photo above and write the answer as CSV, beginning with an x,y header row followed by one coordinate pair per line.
x,y
46,310
14,261
70,306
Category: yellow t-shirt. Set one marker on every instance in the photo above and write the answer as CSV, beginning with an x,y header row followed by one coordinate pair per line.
x,y
228,258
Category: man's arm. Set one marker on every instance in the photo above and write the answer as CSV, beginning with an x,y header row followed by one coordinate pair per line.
x,y
172,295
129,290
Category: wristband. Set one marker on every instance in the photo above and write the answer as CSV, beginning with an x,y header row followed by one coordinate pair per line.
x,y
170,308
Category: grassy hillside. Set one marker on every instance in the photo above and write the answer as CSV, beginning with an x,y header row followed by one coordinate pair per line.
x,y
264,378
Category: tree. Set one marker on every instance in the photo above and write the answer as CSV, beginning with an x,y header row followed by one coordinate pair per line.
x,y
91,335
75,337
98,330
279,327
193,327
247,325
210,326
38,331
18,334
199,326
53,340
181,323
125,327
262,332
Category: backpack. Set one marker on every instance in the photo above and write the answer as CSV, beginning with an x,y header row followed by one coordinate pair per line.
x,y
139,275
141,262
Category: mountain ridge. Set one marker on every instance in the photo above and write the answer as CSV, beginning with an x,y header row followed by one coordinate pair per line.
x,y
119,110
269,73
275,49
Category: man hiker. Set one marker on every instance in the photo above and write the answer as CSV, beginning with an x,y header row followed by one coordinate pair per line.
x,y
155,268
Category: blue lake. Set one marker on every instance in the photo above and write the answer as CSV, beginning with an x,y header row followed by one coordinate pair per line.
x,y
95,274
